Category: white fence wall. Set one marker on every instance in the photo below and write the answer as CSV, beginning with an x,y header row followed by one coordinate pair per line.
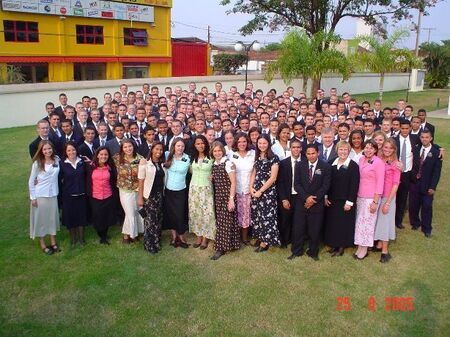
x,y
24,104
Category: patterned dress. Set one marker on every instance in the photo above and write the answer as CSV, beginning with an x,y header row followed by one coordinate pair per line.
x,y
202,221
154,206
264,208
227,227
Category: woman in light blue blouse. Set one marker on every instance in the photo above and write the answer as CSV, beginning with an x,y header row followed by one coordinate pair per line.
x,y
176,196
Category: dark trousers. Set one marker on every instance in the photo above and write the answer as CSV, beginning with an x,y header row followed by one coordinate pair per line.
x,y
423,204
306,224
402,197
285,220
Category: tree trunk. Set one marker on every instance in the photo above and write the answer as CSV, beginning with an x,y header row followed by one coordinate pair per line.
x,y
380,94
315,86
305,85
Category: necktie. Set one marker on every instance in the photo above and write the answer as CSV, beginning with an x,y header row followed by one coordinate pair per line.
x,y
422,158
403,155
273,141
311,172
67,138
102,142
325,154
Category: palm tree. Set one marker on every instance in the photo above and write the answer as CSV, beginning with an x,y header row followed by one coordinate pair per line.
x,y
382,57
437,62
306,57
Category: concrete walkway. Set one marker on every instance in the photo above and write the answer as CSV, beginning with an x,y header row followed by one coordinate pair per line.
x,y
442,113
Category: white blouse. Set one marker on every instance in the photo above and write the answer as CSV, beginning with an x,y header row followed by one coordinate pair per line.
x,y
44,184
244,167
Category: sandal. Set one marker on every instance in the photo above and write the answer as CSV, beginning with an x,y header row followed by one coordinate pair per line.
x,y
55,248
47,251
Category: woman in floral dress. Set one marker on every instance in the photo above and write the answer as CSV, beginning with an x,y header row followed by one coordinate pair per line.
x,y
127,163
202,221
264,196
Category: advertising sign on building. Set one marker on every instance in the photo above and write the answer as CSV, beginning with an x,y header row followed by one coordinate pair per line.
x,y
84,8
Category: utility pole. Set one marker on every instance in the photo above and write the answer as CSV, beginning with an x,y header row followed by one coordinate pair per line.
x,y
429,32
419,21
209,34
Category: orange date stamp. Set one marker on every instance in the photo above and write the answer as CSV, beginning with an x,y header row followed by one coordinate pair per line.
x,y
390,304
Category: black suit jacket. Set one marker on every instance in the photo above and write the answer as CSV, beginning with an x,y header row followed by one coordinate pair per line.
x,y
332,155
318,186
143,149
84,150
429,127
59,110
285,177
344,183
74,138
431,169
414,140
33,147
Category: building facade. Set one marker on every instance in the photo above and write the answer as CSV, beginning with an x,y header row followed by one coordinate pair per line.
x,y
66,40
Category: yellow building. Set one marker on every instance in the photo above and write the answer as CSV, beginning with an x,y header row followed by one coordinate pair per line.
x,y
66,40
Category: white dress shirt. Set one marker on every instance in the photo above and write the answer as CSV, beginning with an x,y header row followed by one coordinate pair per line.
x,y
409,154
244,167
294,163
44,184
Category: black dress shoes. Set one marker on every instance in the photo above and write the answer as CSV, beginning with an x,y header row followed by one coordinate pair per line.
x,y
400,226
338,252
184,245
427,235
385,258
292,256
415,227
314,257
217,255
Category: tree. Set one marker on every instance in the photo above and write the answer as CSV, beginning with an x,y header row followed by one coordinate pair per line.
x,y
228,63
321,15
437,62
382,57
272,47
305,57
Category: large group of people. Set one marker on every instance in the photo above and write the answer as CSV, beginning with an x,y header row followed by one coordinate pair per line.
x,y
253,168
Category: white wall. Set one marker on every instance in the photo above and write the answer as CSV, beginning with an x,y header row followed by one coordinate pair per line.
x,y
24,104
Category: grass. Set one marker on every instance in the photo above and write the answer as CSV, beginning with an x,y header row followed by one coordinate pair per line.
x,y
122,291
426,99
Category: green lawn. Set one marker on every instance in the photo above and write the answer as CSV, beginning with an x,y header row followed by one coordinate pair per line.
x,y
122,291
426,99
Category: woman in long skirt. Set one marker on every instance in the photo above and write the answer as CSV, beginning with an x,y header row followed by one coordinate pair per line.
x,y
43,188
263,190
341,201
202,221
176,193
101,186
385,227
127,163
371,183
74,201
150,196
224,181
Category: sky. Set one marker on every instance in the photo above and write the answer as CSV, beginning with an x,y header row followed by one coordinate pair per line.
x,y
191,18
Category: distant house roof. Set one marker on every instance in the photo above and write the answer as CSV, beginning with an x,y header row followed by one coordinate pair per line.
x,y
188,40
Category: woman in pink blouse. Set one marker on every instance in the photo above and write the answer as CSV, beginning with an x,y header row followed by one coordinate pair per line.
x,y
101,182
371,183
385,226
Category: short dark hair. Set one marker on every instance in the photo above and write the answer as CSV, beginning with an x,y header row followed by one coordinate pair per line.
x,y
312,146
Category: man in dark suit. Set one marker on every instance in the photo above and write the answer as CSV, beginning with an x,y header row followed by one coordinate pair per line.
x,y
286,192
422,114
327,150
312,181
55,130
163,135
68,134
405,146
42,128
60,109
87,148
113,144
103,135
423,189
145,147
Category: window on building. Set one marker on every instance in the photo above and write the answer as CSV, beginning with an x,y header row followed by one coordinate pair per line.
x,y
89,34
135,70
89,71
27,72
135,37
20,31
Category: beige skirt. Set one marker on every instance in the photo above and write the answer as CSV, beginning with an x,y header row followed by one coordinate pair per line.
x,y
44,219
